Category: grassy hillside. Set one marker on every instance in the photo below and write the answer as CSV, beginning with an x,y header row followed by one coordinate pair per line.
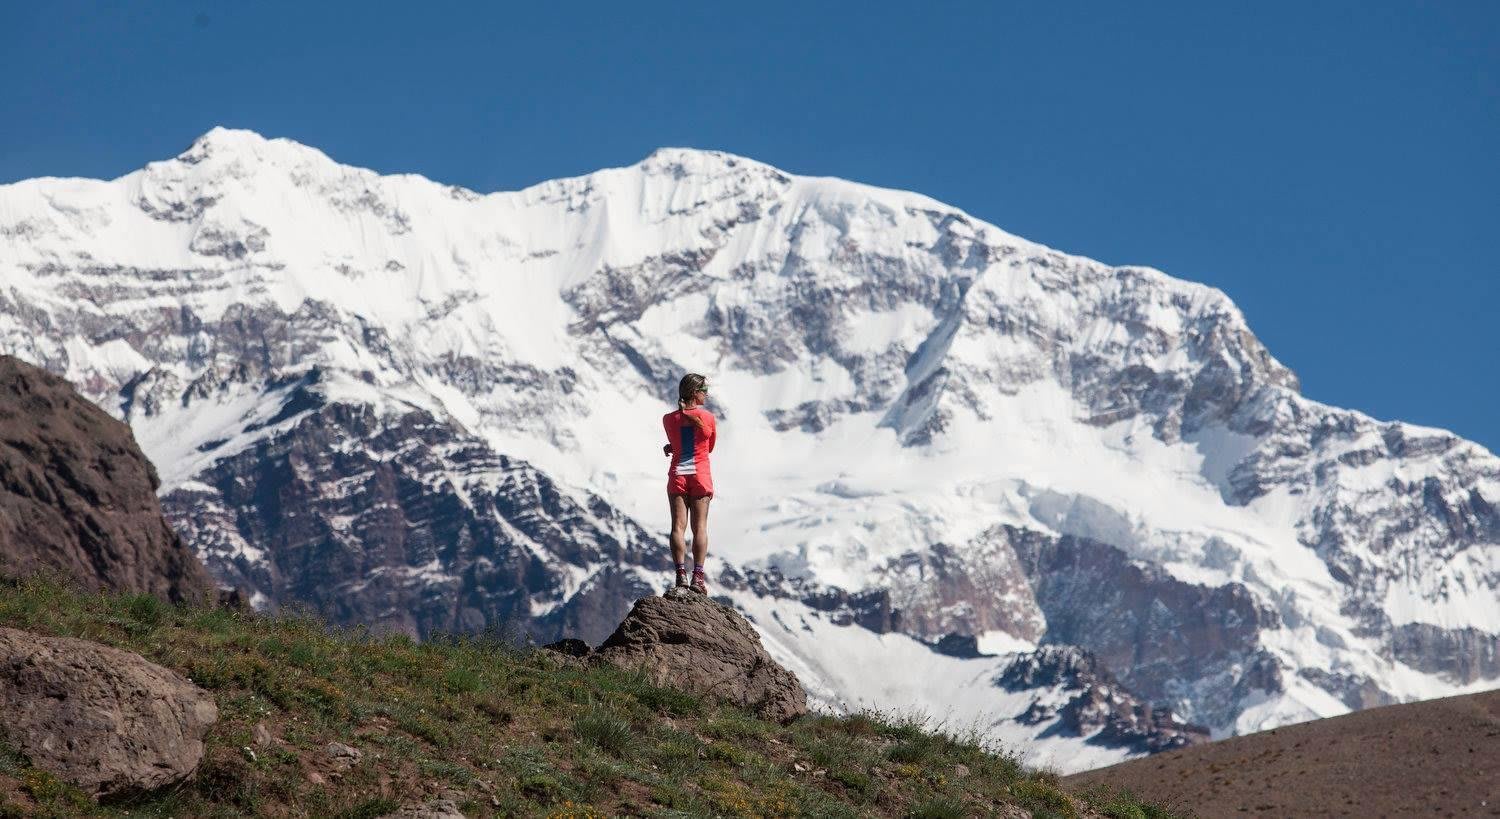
x,y
498,730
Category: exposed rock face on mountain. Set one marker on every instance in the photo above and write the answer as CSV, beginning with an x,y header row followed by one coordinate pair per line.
x,y
402,522
105,720
386,396
1096,706
78,498
685,640
870,609
1159,631
1055,691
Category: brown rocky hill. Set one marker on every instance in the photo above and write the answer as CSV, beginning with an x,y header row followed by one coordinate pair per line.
x,y
1433,758
78,498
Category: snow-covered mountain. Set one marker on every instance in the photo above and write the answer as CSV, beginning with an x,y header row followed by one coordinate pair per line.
x,y
430,409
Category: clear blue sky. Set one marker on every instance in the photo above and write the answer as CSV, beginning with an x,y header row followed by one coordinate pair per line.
x,y
1333,166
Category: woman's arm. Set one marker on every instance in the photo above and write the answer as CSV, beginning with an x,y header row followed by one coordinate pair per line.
x,y
697,421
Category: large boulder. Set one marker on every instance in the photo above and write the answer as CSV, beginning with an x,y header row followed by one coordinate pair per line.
x,y
78,498
686,641
106,720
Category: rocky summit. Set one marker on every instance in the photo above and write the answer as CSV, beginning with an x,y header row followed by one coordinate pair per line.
x,y
685,640
427,408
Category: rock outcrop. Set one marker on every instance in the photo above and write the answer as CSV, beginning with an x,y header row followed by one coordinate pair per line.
x,y
106,720
687,641
439,808
78,498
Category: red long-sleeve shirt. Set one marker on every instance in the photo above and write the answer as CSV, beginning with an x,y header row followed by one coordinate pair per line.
x,y
690,443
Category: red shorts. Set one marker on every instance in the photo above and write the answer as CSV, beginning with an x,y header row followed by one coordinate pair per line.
x,y
689,485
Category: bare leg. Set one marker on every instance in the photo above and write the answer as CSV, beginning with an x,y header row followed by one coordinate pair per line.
x,y
699,511
678,504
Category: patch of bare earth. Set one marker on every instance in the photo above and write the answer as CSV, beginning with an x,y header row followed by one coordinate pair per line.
x,y
1434,758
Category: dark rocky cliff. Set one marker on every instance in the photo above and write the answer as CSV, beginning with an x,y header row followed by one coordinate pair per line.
x,y
78,498
403,522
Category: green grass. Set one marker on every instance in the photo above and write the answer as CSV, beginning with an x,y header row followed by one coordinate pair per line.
x,y
498,729
604,729
939,807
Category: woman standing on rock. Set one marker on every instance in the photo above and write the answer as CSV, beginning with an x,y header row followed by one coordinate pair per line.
x,y
691,430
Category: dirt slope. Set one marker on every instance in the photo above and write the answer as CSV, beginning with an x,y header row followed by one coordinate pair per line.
x,y
1434,758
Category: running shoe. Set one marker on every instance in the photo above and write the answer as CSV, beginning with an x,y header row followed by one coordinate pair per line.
x,y
682,577
699,584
